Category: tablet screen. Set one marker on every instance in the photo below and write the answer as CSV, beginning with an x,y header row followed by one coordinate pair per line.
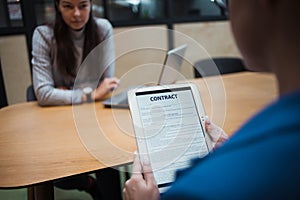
x,y
172,131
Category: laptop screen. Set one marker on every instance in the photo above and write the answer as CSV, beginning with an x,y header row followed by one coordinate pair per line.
x,y
172,65
168,75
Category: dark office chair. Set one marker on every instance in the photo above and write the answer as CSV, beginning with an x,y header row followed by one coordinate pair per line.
x,y
217,66
30,95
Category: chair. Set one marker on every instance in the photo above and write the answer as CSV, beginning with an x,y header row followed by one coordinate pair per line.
x,y
30,95
217,66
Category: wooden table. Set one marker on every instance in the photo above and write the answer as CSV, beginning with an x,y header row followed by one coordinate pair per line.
x,y
245,94
41,144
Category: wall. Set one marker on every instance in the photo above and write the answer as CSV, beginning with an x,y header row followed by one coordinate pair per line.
x,y
214,37
140,53
15,67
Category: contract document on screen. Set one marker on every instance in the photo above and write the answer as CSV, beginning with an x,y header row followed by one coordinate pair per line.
x,y
171,131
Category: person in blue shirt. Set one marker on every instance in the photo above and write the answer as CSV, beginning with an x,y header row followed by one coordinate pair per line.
x,y
261,160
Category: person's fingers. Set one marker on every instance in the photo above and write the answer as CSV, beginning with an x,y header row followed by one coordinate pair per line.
x,y
208,125
114,80
216,133
113,86
207,120
148,173
113,83
212,130
136,166
125,195
224,136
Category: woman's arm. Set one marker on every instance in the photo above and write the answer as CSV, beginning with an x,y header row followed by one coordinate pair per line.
x,y
43,57
107,49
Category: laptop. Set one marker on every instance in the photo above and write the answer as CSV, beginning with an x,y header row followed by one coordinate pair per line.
x,y
168,75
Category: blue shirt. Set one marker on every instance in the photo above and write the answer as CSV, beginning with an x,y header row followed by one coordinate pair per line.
x,y
261,161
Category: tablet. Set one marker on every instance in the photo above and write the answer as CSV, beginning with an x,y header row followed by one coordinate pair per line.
x,y
168,123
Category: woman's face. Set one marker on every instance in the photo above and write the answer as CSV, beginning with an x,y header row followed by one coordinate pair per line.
x,y
75,13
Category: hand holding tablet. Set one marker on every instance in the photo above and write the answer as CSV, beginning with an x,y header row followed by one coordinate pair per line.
x,y
169,125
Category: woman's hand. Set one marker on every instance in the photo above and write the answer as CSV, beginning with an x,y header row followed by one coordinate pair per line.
x,y
142,184
106,86
217,135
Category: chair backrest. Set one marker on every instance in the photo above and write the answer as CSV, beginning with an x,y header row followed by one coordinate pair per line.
x,y
224,65
30,95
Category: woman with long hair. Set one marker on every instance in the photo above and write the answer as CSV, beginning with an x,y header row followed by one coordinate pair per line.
x,y
59,49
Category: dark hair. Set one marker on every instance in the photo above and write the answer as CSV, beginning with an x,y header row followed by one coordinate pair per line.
x,y
66,58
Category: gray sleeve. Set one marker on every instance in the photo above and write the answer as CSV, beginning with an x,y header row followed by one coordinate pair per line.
x,y
43,82
108,61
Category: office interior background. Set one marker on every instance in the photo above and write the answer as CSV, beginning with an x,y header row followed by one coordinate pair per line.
x,y
202,20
